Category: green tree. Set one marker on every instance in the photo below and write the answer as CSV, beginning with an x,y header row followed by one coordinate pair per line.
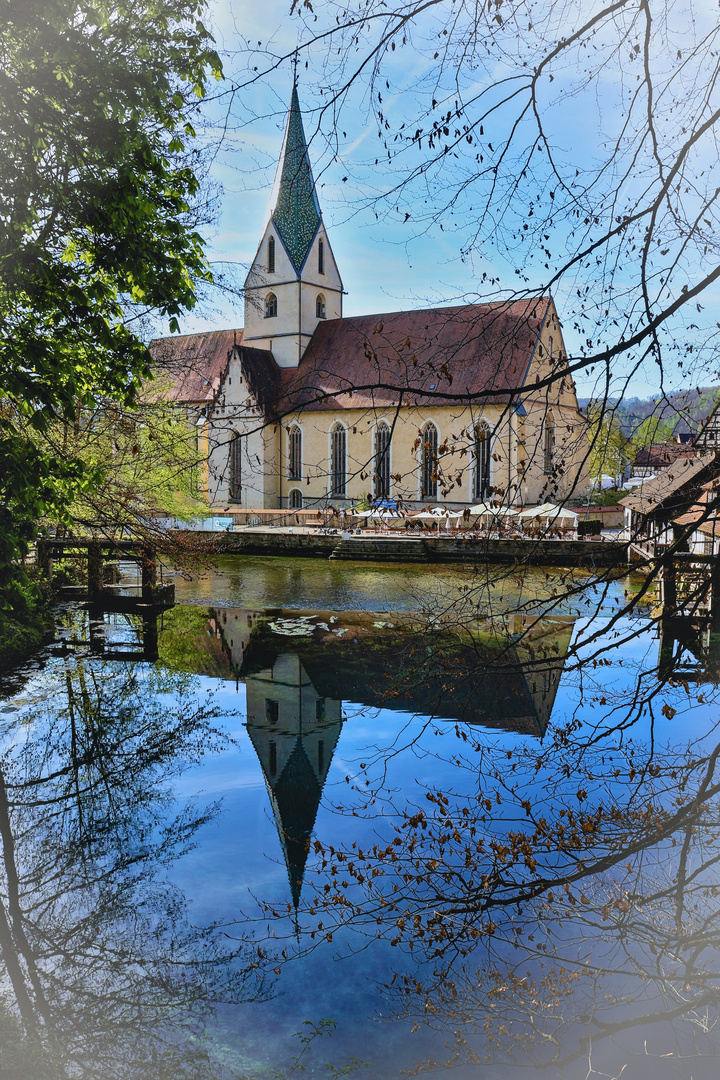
x,y
652,430
608,446
97,220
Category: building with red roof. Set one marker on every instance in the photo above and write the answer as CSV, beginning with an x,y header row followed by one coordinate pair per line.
x,y
305,407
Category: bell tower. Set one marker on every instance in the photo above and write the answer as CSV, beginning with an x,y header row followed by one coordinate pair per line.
x,y
294,281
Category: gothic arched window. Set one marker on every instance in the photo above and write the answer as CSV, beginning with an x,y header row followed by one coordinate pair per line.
x,y
548,443
270,305
429,461
381,472
295,499
338,448
481,488
320,306
235,469
271,255
321,257
295,453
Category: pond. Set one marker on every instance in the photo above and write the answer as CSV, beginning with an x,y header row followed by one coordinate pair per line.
x,y
363,820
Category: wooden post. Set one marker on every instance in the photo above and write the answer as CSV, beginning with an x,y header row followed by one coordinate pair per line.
x,y
95,572
149,574
150,636
715,595
44,558
97,636
669,583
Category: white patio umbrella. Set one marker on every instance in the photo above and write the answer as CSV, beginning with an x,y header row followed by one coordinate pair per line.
x,y
536,511
438,514
496,511
378,514
551,512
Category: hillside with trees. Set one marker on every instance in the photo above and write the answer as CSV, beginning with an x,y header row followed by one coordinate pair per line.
x,y
678,412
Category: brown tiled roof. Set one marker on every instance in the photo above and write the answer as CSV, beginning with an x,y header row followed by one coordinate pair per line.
x,y
193,365
660,455
697,510
668,486
711,527
263,377
483,350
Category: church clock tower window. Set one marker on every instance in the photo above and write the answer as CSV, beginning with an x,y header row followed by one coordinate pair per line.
x,y
271,306
271,255
549,443
320,307
382,461
295,453
321,257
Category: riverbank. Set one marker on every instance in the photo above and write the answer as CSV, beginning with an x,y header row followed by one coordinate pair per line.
x,y
370,547
26,621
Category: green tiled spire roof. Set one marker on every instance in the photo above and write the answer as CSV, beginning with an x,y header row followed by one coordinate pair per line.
x,y
297,212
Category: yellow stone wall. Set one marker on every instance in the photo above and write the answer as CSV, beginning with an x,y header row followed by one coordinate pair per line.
x,y
455,441
518,461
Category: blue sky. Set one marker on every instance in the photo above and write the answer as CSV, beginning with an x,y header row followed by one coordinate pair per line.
x,y
387,263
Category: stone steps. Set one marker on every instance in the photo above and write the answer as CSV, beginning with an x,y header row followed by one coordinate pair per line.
x,y
380,549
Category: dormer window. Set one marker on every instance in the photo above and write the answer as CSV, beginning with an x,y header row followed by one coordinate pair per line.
x,y
320,307
271,255
321,260
270,306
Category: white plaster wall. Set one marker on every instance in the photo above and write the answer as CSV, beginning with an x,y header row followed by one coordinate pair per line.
x,y
234,411
288,333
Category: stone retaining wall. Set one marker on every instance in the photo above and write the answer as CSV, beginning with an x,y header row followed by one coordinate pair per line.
x,y
586,553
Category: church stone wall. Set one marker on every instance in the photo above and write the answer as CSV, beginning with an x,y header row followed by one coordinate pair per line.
x,y
455,448
568,475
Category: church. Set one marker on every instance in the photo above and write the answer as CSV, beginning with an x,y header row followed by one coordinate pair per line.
x,y
304,407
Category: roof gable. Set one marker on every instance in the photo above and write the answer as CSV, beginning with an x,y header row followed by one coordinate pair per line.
x,y
194,365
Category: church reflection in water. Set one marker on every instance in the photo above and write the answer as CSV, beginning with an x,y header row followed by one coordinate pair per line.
x,y
294,731
299,668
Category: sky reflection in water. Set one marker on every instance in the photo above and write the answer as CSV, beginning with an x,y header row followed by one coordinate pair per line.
x,y
319,749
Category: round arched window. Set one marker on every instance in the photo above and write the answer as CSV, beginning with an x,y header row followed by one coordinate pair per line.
x,y
429,461
549,443
270,305
338,449
320,306
482,461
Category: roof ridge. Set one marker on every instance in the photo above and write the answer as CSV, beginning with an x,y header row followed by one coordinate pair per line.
x,y
440,308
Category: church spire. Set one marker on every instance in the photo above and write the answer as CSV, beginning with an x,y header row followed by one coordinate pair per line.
x,y
293,283
294,205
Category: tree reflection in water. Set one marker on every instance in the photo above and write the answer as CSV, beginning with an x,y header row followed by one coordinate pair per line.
x,y
104,976
561,904
555,903
566,901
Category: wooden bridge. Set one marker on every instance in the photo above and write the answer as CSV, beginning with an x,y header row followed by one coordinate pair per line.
x,y
96,553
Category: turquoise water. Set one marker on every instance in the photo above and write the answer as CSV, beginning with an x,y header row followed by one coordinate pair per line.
x,y
305,711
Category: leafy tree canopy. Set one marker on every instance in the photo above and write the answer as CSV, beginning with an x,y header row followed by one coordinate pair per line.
x,y
98,184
